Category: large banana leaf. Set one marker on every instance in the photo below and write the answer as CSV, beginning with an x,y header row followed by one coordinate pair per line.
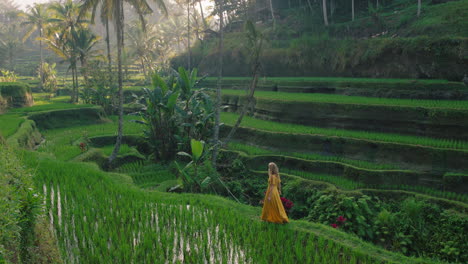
x,y
197,149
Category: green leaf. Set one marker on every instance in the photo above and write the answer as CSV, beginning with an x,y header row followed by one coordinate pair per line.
x,y
172,100
197,149
181,153
159,82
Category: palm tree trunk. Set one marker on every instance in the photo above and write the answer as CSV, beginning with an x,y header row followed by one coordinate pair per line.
x,y
249,98
202,15
308,2
188,37
218,88
109,58
42,59
272,14
419,8
324,7
120,31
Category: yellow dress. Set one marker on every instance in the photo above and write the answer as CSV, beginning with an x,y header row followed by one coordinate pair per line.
x,y
273,210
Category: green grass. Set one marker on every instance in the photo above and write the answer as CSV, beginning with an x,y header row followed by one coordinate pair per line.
x,y
230,119
256,150
9,123
359,100
64,142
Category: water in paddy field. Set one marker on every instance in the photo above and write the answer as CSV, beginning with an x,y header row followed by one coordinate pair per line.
x,y
162,232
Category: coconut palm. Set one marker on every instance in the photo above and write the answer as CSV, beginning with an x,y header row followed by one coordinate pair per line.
x,y
116,7
66,49
84,42
62,36
143,45
37,19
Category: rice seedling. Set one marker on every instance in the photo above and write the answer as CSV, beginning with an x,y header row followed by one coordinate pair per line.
x,y
9,123
98,220
64,142
256,150
249,122
357,100
339,182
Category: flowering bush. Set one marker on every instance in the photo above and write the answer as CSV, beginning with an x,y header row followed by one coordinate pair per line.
x,y
287,203
340,221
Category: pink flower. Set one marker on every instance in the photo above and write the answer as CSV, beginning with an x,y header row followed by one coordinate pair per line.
x,y
334,225
341,219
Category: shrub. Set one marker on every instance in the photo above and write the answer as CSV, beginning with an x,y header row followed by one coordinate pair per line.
x,y
17,94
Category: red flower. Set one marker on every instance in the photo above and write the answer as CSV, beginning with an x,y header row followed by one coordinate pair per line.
x,y
83,146
334,225
286,203
341,219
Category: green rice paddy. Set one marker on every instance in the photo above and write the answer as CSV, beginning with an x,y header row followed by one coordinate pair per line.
x,y
249,122
356,100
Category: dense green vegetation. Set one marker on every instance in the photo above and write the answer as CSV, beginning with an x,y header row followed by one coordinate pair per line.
x,y
124,156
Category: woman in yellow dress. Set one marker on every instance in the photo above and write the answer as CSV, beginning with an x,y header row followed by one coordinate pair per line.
x,y
273,210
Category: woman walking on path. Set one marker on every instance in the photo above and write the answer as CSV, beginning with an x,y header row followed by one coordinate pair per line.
x,y
273,210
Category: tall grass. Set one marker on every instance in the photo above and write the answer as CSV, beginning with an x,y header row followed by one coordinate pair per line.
x,y
249,122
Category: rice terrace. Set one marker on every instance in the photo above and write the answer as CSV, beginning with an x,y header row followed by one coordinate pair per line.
x,y
233,131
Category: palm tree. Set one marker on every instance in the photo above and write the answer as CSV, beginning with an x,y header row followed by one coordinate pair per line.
x,y
143,45
66,49
116,7
84,42
63,36
106,10
37,20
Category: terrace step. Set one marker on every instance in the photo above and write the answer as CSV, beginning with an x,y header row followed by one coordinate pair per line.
x,y
367,176
400,154
440,119
389,88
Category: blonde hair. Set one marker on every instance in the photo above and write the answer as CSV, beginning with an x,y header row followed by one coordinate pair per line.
x,y
273,169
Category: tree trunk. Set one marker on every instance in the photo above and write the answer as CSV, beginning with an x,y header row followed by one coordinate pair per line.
x,y
324,7
352,9
272,14
419,8
308,2
250,96
84,71
41,68
218,87
189,62
120,40
202,15
109,57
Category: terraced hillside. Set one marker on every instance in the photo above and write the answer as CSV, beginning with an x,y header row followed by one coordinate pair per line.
x,y
89,209
375,142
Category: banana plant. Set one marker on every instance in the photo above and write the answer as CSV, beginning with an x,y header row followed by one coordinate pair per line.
x,y
194,182
158,112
